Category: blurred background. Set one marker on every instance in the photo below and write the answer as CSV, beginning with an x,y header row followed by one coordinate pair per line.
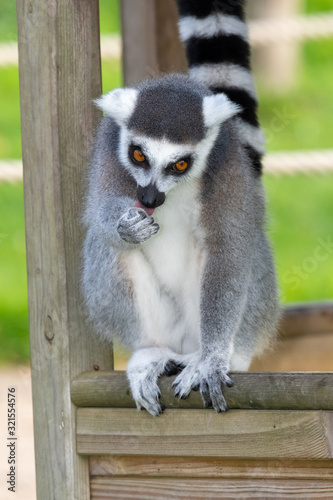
x,y
293,66
294,77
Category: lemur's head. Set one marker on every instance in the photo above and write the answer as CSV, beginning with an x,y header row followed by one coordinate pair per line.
x,y
167,129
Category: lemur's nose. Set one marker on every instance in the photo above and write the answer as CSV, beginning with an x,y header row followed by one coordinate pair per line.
x,y
150,196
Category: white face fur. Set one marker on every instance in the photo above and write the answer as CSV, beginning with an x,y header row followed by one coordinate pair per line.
x,y
161,154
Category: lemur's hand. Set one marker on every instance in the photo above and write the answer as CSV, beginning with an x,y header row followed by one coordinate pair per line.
x,y
136,226
213,374
208,375
143,371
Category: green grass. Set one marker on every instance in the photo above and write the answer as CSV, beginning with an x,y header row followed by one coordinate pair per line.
x,y
313,6
300,207
300,212
109,17
8,30
14,344
111,75
302,117
10,139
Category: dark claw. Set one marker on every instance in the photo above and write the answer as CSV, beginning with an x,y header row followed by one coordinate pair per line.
x,y
196,388
174,385
208,403
162,408
205,395
230,383
222,409
172,368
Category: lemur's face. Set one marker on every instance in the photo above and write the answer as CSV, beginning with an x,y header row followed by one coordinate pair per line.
x,y
166,134
158,165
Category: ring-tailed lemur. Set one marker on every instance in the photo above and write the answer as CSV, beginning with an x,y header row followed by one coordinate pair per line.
x,y
176,261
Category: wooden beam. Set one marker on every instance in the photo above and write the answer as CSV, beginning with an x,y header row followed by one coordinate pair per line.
x,y
308,353
239,434
147,488
261,390
151,44
307,319
59,66
198,467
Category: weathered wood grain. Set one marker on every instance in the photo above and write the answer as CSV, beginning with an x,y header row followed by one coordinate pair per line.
x,y
204,433
59,67
311,353
171,55
103,488
261,390
306,319
159,466
150,38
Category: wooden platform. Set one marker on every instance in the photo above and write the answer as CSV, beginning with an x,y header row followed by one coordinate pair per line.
x,y
275,442
201,455
238,434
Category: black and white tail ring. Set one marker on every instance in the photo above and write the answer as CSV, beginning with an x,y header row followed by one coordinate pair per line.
x,y
215,35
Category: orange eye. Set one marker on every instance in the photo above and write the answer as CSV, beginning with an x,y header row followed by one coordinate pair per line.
x,y
181,165
138,155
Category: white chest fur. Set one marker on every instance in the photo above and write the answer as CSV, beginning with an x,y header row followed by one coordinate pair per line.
x,y
166,274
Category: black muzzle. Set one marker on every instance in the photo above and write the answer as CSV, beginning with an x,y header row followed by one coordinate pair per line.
x,y
150,196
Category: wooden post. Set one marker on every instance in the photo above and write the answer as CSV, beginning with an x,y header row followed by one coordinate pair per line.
x,y
60,74
277,63
151,44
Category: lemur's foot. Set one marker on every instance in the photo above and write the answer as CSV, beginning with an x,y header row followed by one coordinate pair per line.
x,y
136,226
144,369
145,392
208,375
213,375
172,368
188,379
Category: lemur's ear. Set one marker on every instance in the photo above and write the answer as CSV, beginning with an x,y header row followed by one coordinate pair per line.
x,y
119,104
217,108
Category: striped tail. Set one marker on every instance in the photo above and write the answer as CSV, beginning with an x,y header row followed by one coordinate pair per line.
x,y
215,35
